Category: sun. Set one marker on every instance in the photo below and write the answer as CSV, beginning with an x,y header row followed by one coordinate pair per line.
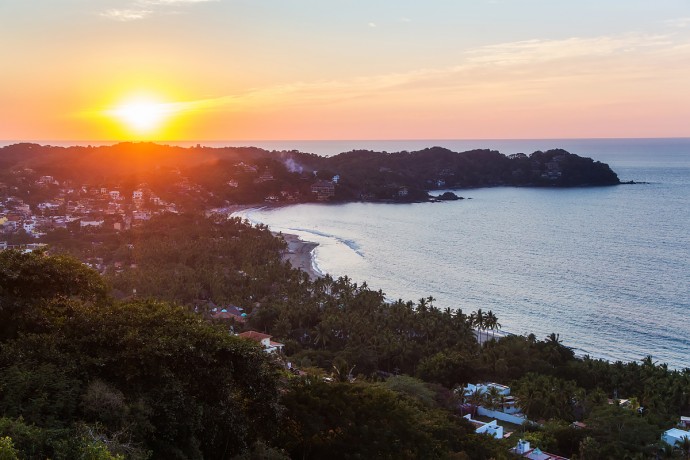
x,y
142,115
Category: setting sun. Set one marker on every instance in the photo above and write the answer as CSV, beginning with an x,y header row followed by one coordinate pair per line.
x,y
142,115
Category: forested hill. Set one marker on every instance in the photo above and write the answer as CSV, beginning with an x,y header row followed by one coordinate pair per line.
x,y
359,174
87,372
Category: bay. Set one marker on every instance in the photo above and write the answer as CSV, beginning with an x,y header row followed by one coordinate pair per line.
x,y
607,268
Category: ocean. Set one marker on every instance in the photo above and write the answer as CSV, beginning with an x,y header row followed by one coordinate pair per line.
x,y
606,268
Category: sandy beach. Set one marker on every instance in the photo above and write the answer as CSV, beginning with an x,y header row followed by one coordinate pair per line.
x,y
299,254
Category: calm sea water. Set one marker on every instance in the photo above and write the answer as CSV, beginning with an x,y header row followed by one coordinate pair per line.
x,y
606,268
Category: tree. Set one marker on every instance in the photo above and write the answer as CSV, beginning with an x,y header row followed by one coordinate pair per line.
x,y
493,398
546,397
475,399
491,322
342,420
478,320
154,373
7,450
589,449
30,278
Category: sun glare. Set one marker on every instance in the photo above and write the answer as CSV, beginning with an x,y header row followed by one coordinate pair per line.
x,y
142,116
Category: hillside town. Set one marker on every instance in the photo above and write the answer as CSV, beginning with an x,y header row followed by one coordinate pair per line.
x,y
33,205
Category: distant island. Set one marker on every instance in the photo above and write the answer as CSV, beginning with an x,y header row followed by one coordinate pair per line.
x,y
214,177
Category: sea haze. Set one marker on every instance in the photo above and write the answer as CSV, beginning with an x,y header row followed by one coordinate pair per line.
x,y
607,268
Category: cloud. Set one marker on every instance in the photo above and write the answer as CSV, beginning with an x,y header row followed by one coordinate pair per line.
x,y
530,51
515,69
372,24
126,14
680,23
140,9
174,2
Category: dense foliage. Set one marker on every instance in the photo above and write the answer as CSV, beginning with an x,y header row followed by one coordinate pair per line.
x,y
81,372
138,377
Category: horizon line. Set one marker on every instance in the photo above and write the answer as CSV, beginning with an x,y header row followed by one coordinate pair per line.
x,y
201,141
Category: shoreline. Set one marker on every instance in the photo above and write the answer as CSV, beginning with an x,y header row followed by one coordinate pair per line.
x,y
299,253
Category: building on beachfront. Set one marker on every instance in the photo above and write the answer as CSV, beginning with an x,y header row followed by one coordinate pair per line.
x,y
675,436
491,428
523,449
264,339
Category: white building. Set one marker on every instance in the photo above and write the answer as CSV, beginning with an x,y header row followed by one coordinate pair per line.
x,y
675,436
91,223
484,388
505,409
491,428
29,226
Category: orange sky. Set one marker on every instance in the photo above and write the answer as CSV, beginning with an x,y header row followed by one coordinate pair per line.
x,y
223,70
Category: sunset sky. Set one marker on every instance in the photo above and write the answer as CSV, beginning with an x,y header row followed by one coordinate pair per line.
x,y
343,69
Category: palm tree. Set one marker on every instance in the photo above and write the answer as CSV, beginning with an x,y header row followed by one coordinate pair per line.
x,y
474,399
493,398
322,334
478,319
492,322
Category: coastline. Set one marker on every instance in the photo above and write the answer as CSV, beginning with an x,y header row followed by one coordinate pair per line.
x,y
299,253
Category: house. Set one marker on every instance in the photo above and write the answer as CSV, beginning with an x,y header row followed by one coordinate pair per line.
x,y
265,176
675,436
264,339
491,428
504,408
141,215
484,388
47,180
323,189
91,223
524,450
246,168
230,313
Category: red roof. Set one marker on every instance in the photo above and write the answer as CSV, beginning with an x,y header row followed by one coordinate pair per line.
x,y
253,335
